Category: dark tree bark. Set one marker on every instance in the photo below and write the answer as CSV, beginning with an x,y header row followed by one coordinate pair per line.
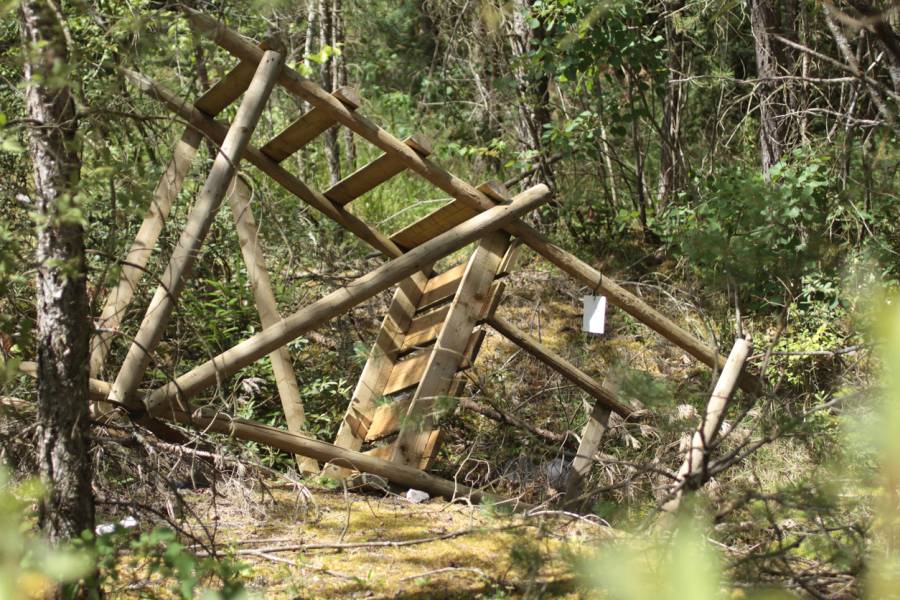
x,y
774,126
534,91
62,308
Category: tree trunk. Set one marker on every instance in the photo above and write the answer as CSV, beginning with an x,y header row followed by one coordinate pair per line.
x,y
534,92
772,126
326,37
669,159
340,72
62,307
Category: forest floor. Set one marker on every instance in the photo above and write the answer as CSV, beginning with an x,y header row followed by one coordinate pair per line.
x,y
337,544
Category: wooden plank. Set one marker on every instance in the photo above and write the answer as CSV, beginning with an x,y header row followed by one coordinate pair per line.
x,y
264,297
341,300
424,329
214,101
601,392
199,221
449,215
379,364
450,347
307,127
386,420
442,286
307,90
373,174
407,372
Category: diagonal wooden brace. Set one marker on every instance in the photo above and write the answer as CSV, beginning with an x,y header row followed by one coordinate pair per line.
x,y
258,275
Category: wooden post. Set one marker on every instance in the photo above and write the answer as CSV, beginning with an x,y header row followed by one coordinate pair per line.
x,y
594,430
602,393
264,297
695,461
343,299
199,221
445,358
464,192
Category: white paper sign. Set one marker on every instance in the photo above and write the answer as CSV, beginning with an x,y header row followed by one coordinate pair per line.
x,y
594,319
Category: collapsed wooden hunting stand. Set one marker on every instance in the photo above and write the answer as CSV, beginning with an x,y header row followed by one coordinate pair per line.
x,y
434,325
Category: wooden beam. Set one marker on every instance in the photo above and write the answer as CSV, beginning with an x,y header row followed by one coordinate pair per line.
x,y
341,300
594,430
327,453
307,127
601,392
695,462
446,356
373,174
464,192
224,92
282,367
297,444
216,132
199,221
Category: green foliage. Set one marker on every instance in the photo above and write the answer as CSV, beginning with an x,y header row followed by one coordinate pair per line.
x,y
29,566
159,554
764,235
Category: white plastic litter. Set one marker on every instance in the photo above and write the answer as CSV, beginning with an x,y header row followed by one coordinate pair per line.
x,y
126,523
416,496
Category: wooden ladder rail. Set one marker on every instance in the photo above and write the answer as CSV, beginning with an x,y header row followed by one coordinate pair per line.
x,y
417,439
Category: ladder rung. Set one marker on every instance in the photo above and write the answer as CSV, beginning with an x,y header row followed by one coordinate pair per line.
x,y
373,174
307,127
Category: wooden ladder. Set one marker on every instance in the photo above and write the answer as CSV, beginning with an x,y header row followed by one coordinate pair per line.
x,y
429,336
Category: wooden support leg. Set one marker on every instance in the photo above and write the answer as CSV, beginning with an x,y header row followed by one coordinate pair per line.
x,y
444,361
598,423
695,462
601,392
201,216
341,300
264,297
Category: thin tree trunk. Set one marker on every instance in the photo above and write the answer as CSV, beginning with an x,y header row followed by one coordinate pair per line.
x,y
62,306
669,163
772,142
534,92
340,70
326,37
